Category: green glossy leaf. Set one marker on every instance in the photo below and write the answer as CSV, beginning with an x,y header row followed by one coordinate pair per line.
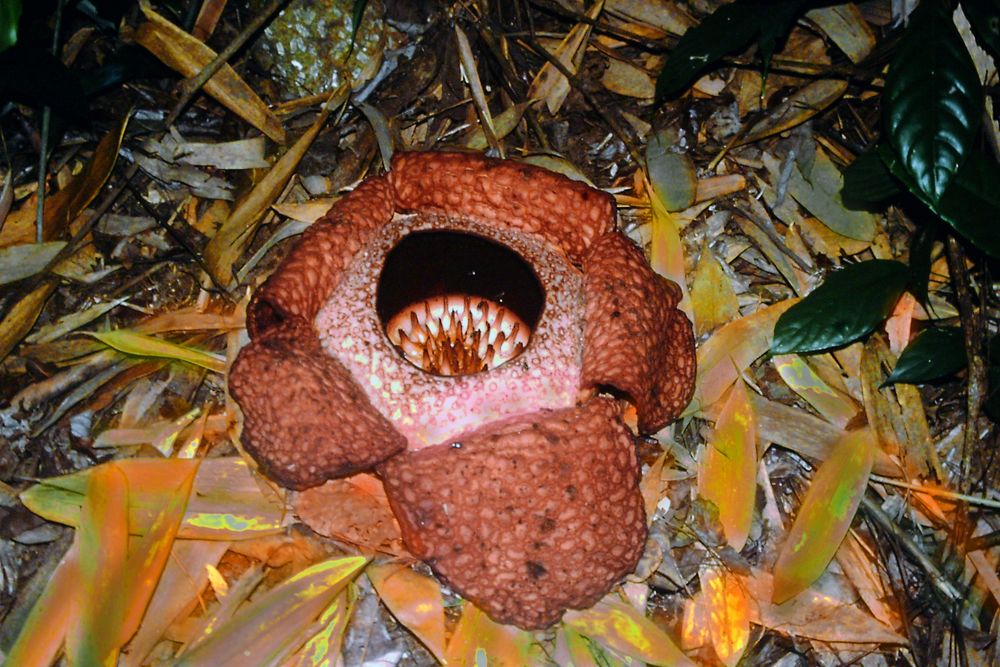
x,y
932,101
848,305
10,16
727,30
984,17
868,183
825,515
972,203
934,353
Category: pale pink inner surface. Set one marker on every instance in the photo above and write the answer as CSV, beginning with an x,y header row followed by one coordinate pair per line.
x,y
429,409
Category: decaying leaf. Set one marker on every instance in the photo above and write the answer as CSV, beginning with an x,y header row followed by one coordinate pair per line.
x,y
188,55
712,297
626,631
728,606
549,84
415,600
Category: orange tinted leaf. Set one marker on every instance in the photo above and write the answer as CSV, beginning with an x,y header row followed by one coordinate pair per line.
x,y
728,613
622,628
731,350
415,600
264,630
182,581
187,55
727,474
666,253
478,640
227,503
42,635
146,562
825,515
103,543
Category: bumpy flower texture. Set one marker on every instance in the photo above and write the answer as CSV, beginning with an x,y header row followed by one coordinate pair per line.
x,y
470,329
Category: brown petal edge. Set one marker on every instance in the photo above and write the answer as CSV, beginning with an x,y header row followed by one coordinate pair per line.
x,y
635,339
526,517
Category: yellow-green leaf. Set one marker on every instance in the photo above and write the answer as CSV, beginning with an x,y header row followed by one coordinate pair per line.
x,y
478,640
103,542
825,515
622,628
263,630
323,649
227,503
838,408
666,253
415,600
141,345
727,474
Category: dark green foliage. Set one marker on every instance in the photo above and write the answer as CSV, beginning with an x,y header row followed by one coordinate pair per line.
x,y
730,29
868,183
32,75
933,354
847,306
972,204
10,16
932,101
357,13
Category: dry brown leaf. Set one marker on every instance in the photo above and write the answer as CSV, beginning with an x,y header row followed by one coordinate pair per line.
x,y
816,616
64,206
847,28
21,317
187,55
663,15
860,567
549,85
354,510
810,436
236,233
624,78
800,106
712,297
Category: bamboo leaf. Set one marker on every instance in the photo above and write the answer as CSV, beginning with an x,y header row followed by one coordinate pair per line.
x,y
283,612
728,609
415,600
825,515
624,630
727,474
141,345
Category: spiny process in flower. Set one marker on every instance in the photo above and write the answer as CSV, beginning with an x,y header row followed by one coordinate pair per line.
x,y
458,334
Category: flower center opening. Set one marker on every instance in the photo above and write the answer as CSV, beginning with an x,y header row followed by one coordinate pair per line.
x,y
455,304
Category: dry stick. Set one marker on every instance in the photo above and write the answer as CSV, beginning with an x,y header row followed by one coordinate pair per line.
x,y
188,89
972,330
937,492
617,128
939,581
510,81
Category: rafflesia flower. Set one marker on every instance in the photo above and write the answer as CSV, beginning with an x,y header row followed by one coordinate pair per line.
x,y
470,329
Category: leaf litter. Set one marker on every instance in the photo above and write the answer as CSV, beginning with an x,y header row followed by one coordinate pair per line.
x,y
178,550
